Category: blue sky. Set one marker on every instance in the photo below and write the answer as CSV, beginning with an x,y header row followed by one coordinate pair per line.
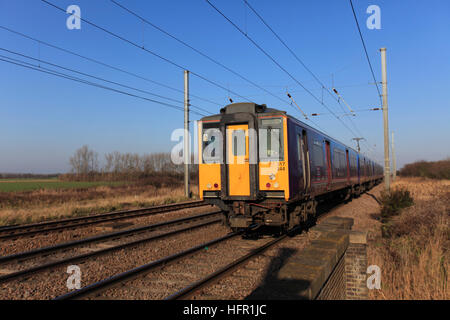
x,y
44,119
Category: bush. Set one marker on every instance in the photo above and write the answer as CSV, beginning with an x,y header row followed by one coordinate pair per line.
x,y
393,202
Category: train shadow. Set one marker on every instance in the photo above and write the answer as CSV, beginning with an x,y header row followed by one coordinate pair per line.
x,y
273,288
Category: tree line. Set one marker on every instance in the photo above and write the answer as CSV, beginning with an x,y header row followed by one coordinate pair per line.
x,y
427,169
86,165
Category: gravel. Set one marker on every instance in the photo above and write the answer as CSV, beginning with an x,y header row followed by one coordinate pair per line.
x,y
11,246
49,284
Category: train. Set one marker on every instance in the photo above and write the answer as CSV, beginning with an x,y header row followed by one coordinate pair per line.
x,y
262,166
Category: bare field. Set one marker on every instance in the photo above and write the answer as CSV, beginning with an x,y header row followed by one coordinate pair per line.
x,y
49,204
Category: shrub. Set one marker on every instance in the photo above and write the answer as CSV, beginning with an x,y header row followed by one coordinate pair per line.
x,y
391,204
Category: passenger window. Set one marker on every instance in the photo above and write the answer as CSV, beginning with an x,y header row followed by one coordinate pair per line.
x,y
318,154
343,164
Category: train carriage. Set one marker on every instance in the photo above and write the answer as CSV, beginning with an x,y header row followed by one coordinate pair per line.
x,y
261,165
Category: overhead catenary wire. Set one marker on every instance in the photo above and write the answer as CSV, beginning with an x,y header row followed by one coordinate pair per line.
x,y
204,55
290,50
365,50
278,65
215,61
149,51
40,41
366,53
76,79
153,53
98,78
301,62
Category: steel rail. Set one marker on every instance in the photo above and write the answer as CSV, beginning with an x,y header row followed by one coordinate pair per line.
x,y
224,271
81,257
32,229
105,284
102,237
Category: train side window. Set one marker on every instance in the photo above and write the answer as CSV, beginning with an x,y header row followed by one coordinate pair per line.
x,y
318,153
343,163
353,166
336,163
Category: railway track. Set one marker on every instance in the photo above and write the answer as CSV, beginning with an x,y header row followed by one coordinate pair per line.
x,y
182,274
223,272
194,289
154,277
50,257
17,231
178,276
93,290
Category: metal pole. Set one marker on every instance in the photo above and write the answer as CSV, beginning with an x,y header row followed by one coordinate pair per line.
x,y
357,142
387,169
394,161
186,150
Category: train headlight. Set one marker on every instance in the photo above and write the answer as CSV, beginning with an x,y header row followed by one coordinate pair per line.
x,y
272,177
208,185
276,185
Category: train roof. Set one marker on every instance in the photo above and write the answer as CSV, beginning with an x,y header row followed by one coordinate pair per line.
x,y
246,107
250,107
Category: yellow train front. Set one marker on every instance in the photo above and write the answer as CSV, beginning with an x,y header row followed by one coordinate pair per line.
x,y
262,166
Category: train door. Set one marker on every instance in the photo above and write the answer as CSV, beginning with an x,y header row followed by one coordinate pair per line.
x,y
329,173
303,160
348,166
238,160
306,164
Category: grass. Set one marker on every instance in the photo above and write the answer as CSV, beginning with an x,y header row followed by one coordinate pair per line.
x,y
73,199
20,185
413,255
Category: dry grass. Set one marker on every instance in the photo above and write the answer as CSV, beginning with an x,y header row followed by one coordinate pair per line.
x,y
41,205
414,260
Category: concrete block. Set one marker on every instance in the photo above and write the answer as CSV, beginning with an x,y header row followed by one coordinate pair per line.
x,y
358,237
339,222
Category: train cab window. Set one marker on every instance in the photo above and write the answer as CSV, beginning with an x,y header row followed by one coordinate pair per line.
x,y
271,140
211,143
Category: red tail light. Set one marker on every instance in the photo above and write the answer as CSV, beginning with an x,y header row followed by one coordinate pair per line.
x,y
216,185
268,185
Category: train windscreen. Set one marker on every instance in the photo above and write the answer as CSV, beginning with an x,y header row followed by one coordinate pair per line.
x,y
271,140
211,143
